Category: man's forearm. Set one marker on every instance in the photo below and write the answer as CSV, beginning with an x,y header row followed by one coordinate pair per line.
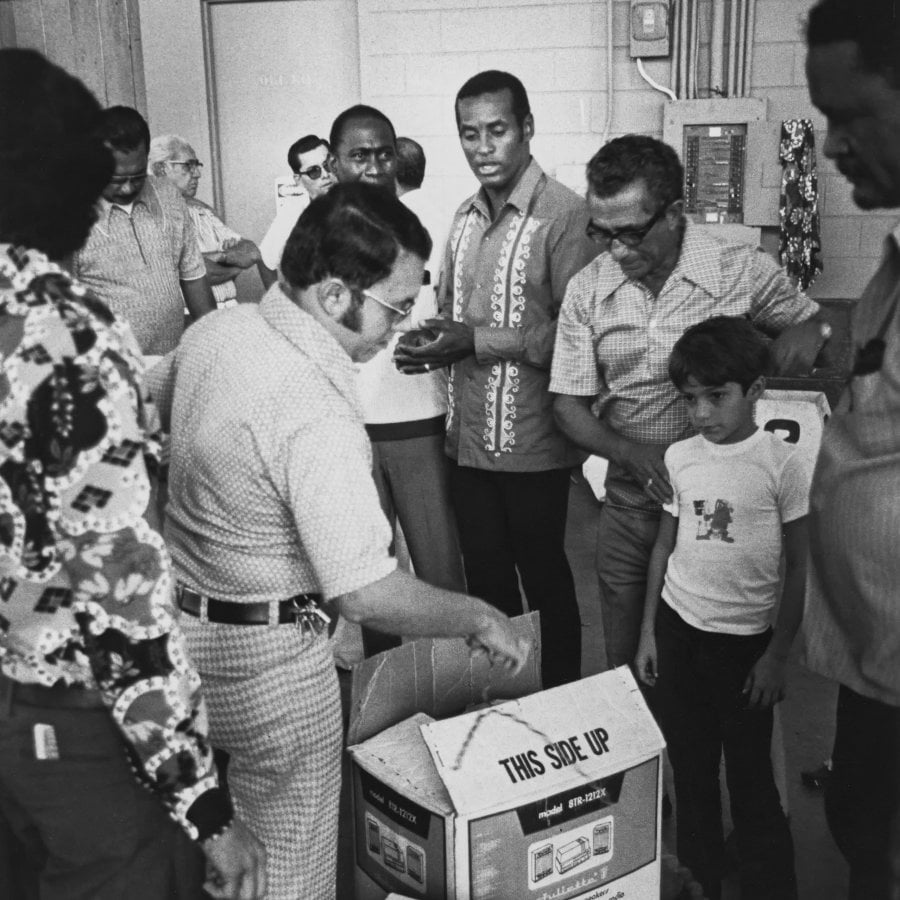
x,y
401,604
198,297
218,272
578,423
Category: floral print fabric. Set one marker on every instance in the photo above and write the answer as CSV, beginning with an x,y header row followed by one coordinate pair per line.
x,y
85,583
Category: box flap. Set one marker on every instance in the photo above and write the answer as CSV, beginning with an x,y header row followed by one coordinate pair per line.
x,y
399,758
530,748
439,677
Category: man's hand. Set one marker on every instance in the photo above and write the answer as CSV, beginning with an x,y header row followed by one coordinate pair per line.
x,y
644,463
496,638
794,351
448,342
242,253
235,865
764,686
645,661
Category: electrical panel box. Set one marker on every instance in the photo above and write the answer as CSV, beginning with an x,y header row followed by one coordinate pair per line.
x,y
650,34
727,148
715,158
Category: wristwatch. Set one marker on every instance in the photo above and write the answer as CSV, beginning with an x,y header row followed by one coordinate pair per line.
x,y
825,332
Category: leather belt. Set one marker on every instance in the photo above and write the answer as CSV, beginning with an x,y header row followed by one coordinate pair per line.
x,y
301,609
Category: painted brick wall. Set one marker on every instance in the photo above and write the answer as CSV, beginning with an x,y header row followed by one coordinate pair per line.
x,y
414,55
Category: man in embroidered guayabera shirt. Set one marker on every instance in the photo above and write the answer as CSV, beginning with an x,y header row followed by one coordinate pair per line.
x,y
142,257
273,510
851,625
106,775
225,253
513,247
622,314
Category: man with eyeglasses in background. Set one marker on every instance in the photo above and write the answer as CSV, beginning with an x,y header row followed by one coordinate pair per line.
x,y
225,253
312,164
657,275
142,257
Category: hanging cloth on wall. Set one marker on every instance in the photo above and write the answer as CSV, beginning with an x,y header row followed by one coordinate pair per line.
x,y
799,207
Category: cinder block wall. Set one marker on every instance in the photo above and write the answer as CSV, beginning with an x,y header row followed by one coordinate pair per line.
x,y
414,55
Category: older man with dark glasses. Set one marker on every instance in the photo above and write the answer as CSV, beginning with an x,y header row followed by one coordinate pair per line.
x,y
658,275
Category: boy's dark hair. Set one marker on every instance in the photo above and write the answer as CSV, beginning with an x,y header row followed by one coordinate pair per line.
x,y
354,114
354,232
491,82
124,129
410,163
874,26
719,350
304,145
53,164
634,157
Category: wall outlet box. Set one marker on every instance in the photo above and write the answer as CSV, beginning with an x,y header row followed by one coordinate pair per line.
x,y
650,28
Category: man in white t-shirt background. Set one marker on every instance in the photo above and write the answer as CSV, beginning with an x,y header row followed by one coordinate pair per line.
x,y
311,162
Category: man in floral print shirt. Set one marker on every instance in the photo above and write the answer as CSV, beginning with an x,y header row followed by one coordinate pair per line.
x,y
99,701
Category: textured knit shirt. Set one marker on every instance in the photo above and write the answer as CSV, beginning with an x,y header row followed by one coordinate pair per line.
x,y
851,623
270,482
614,338
506,278
212,233
85,583
135,261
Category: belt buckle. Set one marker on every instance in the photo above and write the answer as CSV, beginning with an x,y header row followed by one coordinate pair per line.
x,y
308,617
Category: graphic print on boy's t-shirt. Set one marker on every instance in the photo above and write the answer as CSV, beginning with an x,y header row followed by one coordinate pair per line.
x,y
713,520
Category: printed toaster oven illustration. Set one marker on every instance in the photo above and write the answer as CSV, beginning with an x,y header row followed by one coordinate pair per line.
x,y
572,854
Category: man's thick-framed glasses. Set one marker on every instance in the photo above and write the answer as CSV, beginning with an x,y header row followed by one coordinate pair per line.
x,y
314,173
628,237
192,165
140,178
398,311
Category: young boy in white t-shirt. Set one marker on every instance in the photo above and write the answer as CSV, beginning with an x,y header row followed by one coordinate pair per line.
x,y
740,498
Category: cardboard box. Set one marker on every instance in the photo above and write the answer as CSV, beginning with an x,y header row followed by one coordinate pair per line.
x,y
553,795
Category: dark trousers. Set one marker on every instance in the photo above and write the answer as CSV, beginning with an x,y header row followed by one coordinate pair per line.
x,y
862,797
512,525
703,712
89,830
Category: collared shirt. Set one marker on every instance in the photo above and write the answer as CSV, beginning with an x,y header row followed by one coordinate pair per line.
x,y
270,482
614,338
507,278
134,261
212,233
851,624
272,245
86,584
387,395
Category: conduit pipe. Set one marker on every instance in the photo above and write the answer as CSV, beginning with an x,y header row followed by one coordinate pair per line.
x,y
717,49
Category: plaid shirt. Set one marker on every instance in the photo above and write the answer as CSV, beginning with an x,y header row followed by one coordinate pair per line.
x,y
507,278
134,263
851,623
614,338
270,482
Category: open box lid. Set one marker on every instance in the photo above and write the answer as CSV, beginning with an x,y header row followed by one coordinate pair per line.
x,y
543,744
439,677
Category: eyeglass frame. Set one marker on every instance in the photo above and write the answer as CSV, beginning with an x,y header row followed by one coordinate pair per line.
x,y
400,313
127,179
326,166
605,237
193,165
